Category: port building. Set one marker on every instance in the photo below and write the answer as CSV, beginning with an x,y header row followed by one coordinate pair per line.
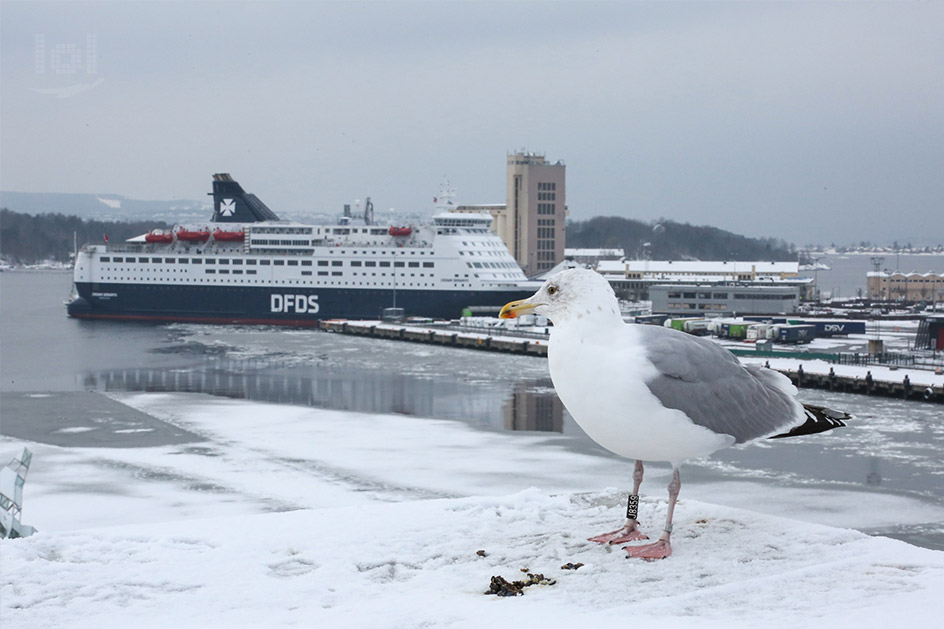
x,y
634,279
895,285
592,257
723,299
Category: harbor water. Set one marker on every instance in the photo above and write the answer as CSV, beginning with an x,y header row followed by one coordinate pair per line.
x,y
892,448
846,276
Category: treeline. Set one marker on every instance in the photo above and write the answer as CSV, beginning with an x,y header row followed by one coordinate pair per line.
x,y
668,240
28,239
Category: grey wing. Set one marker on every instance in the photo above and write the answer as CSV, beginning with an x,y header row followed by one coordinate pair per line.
x,y
708,384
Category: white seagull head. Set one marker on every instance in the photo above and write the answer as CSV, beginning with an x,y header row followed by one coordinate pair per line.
x,y
568,296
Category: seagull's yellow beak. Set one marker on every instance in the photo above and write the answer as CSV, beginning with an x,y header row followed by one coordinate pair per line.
x,y
514,308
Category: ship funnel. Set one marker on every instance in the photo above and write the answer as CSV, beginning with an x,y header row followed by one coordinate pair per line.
x,y
232,204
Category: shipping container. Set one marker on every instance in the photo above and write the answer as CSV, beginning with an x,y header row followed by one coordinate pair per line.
x,y
655,319
786,333
678,323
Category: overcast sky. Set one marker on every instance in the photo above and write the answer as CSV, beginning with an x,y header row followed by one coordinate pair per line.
x,y
812,122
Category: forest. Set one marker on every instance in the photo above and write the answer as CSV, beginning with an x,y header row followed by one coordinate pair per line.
x,y
668,240
28,239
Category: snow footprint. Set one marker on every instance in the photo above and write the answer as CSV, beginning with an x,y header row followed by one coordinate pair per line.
x,y
294,565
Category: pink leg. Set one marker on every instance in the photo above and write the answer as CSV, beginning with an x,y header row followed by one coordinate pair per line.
x,y
630,531
662,548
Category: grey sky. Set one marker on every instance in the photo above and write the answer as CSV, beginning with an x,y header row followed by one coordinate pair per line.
x,y
812,122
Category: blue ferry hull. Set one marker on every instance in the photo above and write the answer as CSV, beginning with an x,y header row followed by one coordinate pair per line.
x,y
301,306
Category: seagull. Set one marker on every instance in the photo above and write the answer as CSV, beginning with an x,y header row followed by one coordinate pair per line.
x,y
652,393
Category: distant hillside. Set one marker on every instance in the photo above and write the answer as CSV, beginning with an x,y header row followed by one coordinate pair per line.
x,y
668,240
105,207
26,239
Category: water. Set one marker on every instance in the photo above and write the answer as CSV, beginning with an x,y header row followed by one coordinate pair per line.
x,y
892,447
847,274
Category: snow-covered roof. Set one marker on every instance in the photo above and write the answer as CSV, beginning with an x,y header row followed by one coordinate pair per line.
x,y
593,253
696,267
928,275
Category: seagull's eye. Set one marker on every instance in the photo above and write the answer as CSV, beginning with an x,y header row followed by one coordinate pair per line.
x,y
551,290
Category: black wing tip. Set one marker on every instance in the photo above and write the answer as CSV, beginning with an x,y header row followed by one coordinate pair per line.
x,y
818,419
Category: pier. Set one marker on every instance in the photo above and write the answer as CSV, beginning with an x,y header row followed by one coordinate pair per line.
x,y
804,372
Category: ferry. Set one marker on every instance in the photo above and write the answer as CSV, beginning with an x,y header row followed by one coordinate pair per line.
x,y
248,266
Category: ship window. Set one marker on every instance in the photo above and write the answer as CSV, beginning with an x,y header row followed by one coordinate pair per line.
x,y
306,263
322,272
183,260
237,271
335,272
210,270
107,259
224,261
224,271
336,263
170,260
143,260
355,263
211,260
384,263
322,263
306,272
427,265
279,262
414,265
293,262
264,262
237,261
197,261
398,264
370,263
155,259
250,271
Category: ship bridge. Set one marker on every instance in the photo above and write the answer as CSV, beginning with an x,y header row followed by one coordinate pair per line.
x,y
475,223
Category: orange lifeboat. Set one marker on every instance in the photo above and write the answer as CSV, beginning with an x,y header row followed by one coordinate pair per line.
x,y
159,237
224,236
193,236
400,231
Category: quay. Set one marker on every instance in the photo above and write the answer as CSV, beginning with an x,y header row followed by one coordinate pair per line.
x,y
803,372
536,345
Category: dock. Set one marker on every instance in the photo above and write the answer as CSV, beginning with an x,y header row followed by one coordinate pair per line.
x,y
440,336
803,372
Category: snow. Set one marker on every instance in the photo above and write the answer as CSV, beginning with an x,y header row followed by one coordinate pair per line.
x,y
114,204
880,373
292,516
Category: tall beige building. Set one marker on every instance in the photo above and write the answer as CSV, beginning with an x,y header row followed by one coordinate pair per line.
x,y
533,222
